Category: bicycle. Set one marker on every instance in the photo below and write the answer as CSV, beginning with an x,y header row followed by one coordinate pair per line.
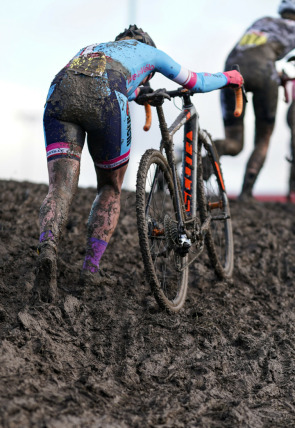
x,y
178,216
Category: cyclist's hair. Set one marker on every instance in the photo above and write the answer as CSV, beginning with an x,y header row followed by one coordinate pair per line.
x,y
136,33
287,6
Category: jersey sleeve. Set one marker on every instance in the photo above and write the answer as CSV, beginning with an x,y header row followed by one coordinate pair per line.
x,y
197,82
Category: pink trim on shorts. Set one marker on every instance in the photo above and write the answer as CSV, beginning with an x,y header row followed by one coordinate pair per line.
x,y
57,145
114,163
58,149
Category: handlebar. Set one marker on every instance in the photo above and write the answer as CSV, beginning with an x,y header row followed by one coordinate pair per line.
x,y
156,98
240,95
239,102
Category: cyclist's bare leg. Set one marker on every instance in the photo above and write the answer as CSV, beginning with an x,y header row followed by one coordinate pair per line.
x,y
105,210
102,222
256,161
63,183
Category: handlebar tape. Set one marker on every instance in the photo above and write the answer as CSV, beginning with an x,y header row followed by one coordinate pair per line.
x,y
148,117
239,96
239,102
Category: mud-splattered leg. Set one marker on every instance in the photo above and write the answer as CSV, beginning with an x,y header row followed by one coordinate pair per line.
x,y
63,183
233,143
265,104
257,158
102,221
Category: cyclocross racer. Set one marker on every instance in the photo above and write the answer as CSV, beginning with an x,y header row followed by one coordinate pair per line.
x,y
266,41
90,95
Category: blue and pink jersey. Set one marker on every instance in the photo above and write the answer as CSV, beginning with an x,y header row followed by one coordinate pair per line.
x,y
140,60
91,94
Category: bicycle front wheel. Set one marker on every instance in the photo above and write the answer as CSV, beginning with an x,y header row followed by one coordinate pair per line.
x,y
213,202
166,270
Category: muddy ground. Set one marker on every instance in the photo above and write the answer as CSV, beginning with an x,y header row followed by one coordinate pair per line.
x,y
113,359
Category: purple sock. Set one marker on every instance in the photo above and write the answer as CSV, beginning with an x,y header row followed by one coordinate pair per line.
x,y
94,252
46,236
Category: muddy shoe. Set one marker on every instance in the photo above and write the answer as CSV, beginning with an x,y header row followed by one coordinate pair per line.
x,y
247,198
45,286
95,279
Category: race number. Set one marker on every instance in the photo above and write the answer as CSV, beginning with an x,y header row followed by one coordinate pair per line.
x,y
254,38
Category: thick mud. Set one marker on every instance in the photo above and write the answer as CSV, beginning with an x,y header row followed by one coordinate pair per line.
x,y
112,359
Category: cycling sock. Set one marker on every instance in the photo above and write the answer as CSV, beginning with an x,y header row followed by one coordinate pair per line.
x,y
94,252
46,236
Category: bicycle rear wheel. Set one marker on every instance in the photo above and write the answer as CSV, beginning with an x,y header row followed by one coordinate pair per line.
x,y
165,269
213,202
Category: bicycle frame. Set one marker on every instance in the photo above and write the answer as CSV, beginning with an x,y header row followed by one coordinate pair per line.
x,y
189,119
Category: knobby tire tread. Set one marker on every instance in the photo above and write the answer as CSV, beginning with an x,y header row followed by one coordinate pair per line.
x,y
149,157
222,272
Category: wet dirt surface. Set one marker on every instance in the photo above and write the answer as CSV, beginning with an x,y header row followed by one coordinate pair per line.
x,y
112,359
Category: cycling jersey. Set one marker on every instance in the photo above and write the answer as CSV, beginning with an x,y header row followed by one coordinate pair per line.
x,y
91,93
136,61
277,33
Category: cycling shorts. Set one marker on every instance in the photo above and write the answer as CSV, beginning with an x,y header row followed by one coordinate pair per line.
x,y
261,78
97,106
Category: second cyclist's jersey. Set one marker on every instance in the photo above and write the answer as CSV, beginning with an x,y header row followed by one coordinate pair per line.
x,y
276,37
136,61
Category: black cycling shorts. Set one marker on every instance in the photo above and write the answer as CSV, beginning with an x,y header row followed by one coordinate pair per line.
x,y
97,106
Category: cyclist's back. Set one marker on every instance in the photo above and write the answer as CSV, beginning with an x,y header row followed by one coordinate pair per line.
x,y
271,38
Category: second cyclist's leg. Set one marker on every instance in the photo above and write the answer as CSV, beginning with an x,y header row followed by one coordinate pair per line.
x,y
257,158
265,103
233,142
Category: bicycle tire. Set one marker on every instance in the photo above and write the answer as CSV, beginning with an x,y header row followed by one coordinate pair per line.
x,y
213,200
165,270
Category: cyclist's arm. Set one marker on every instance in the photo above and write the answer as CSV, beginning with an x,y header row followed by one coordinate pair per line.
x,y
197,82
160,62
